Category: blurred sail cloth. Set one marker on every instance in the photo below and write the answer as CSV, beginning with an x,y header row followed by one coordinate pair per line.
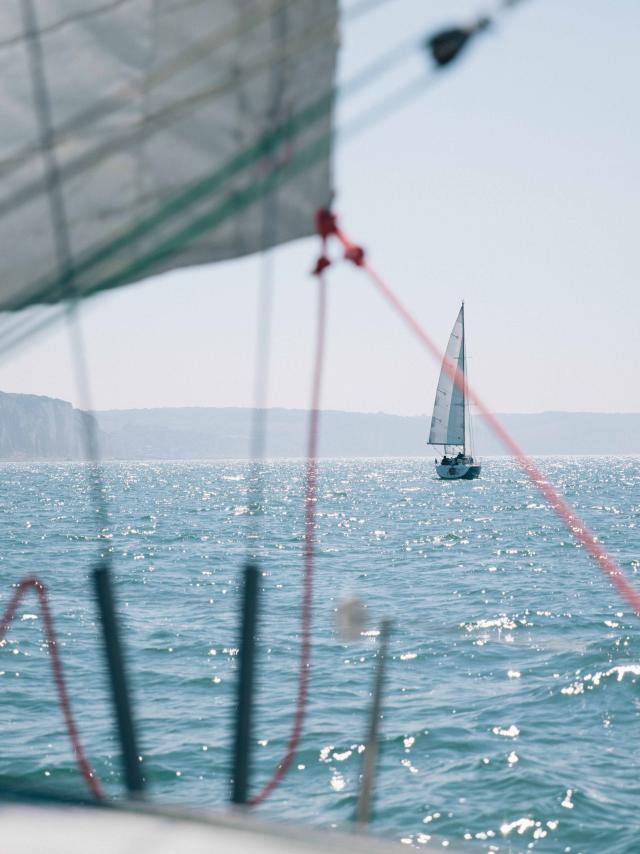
x,y
138,137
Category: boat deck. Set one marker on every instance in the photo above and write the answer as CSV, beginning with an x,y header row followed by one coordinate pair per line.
x,y
141,829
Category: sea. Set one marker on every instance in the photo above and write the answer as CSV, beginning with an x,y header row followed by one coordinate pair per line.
x,y
511,706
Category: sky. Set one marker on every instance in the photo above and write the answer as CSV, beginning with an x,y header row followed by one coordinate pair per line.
x,y
512,184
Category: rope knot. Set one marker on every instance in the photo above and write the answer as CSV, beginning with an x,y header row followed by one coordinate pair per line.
x,y
326,224
321,264
355,254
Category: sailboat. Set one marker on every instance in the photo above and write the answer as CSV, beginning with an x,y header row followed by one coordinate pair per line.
x,y
451,422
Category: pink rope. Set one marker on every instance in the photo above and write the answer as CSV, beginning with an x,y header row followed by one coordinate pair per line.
x,y
309,547
56,665
559,504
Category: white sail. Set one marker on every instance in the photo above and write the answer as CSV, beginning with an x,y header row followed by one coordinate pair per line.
x,y
141,136
448,424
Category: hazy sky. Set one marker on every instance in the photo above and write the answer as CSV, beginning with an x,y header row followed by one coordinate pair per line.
x,y
514,184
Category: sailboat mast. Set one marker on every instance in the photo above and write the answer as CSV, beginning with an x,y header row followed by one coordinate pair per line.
x,y
464,388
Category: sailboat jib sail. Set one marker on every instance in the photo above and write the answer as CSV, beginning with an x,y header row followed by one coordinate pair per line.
x,y
448,420
450,423
139,137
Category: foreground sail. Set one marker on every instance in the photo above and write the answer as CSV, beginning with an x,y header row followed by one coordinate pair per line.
x,y
142,136
450,423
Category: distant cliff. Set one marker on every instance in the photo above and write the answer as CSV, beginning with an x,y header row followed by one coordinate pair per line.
x,y
208,433
40,428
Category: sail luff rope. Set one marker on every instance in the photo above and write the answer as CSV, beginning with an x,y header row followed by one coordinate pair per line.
x,y
558,503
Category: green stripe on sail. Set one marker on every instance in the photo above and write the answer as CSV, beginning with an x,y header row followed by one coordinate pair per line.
x,y
232,206
52,290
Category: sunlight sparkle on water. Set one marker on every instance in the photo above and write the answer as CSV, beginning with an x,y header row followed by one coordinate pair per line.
x,y
501,594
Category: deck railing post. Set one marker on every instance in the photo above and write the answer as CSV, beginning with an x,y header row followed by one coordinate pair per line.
x,y
371,746
118,679
244,706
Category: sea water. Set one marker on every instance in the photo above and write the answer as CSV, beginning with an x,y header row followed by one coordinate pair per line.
x,y
511,708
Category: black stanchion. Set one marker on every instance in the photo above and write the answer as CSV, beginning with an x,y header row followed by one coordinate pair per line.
x,y
117,675
372,744
244,708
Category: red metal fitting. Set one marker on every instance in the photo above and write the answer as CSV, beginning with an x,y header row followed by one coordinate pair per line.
x,y
355,254
325,222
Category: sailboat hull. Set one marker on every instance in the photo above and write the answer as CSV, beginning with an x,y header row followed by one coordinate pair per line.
x,y
458,472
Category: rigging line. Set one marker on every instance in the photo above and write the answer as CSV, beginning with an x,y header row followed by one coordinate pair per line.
x,y
20,333
264,315
34,583
355,10
309,543
97,485
62,243
385,107
264,319
12,323
47,288
558,503
259,415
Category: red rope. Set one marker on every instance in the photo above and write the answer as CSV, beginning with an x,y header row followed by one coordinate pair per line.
x,y
309,534
562,508
56,666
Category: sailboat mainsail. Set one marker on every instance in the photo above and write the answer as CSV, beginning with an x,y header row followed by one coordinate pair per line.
x,y
448,423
